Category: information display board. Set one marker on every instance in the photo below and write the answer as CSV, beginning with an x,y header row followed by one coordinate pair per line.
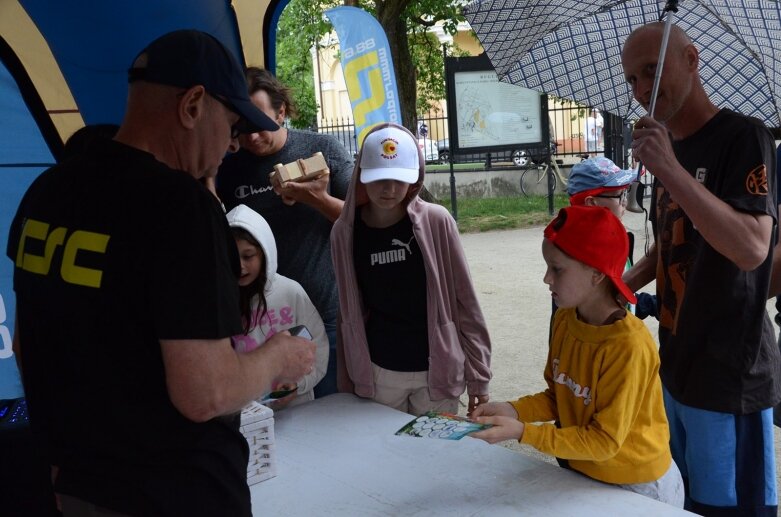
x,y
488,115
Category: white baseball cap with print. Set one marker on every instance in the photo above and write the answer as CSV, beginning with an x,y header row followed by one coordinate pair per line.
x,y
390,154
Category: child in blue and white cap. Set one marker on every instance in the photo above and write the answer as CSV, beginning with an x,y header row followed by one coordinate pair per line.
x,y
600,182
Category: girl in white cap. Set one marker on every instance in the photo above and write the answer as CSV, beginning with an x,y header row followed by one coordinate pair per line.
x,y
411,333
270,302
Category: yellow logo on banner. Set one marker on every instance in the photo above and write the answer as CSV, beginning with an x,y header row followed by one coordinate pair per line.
x,y
369,101
79,240
368,69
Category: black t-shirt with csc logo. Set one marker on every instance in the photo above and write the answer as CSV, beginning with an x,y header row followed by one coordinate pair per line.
x,y
113,252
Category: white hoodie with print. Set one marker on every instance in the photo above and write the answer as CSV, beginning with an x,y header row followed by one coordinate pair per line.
x,y
287,304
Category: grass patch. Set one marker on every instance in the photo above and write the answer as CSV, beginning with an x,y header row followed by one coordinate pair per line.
x,y
504,213
441,167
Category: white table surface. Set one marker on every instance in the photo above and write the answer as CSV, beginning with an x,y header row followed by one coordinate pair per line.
x,y
339,456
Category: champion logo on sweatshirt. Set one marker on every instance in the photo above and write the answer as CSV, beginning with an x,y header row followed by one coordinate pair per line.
x,y
562,378
243,191
393,255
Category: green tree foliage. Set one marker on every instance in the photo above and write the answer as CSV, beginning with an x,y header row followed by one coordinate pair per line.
x,y
417,55
426,52
300,27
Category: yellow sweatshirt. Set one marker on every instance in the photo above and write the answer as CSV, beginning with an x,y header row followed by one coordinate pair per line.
x,y
604,388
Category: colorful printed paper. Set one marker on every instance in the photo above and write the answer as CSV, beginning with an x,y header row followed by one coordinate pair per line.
x,y
444,426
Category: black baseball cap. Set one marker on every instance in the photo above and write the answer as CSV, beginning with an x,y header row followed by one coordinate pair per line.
x,y
186,58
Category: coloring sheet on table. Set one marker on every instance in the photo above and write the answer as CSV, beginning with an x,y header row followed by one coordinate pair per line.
x,y
444,426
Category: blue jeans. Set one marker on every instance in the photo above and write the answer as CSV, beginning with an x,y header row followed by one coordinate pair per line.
x,y
327,384
777,409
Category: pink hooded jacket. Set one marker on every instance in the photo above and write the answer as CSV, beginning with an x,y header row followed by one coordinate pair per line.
x,y
459,346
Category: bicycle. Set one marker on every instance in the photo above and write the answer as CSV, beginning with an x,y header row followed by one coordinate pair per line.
x,y
532,179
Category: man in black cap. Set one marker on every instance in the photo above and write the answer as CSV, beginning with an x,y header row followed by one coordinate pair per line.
x,y
126,286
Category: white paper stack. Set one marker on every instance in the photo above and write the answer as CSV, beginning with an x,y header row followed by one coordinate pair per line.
x,y
257,426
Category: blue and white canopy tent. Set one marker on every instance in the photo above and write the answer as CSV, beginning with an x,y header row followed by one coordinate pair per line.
x,y
63,64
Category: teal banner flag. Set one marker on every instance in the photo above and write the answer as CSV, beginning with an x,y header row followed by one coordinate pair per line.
x,y
368,68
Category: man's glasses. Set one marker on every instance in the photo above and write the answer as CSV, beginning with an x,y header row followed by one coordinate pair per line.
x,y
622,197
235,132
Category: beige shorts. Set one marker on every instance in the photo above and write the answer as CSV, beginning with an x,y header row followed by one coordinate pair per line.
x,y
408,392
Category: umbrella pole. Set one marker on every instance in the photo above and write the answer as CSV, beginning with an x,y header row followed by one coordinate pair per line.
x,y
636,197
671,8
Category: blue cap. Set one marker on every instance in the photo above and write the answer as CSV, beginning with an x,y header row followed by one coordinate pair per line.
x,y
599,172
187,58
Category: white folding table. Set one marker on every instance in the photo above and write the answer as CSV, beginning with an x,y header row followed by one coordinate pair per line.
x,y
339,456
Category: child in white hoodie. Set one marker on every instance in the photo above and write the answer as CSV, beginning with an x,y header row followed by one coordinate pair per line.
x,y
270,302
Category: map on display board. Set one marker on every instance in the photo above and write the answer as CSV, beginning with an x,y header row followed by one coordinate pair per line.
x,y
487,115
492,113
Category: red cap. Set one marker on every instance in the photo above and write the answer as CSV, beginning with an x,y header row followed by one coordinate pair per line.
x,y
594,236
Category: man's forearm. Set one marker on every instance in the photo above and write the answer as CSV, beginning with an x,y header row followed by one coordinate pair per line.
x,y
775,276
207,378
643,272
330,207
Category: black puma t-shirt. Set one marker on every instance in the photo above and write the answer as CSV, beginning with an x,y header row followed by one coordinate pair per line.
x,y
392,278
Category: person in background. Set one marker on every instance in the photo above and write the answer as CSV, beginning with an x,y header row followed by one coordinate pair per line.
x,y
270,302
602,370
595,126
423,129
713,210
412,335
125,280
300,214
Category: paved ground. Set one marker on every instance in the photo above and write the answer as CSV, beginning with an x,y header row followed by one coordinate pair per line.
x,y
507,270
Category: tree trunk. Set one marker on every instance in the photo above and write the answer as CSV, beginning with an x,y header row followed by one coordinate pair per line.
x,y
395,26
406,78
389,15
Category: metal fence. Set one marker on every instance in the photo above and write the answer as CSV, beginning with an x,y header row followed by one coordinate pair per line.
x,y
568,123
344,131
